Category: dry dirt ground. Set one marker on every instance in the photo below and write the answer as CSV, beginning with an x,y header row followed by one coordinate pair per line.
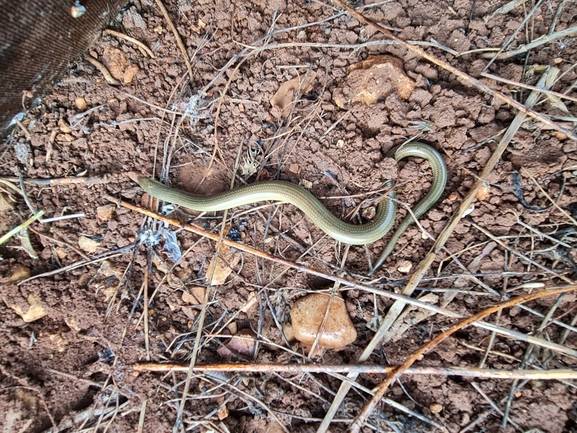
x,y
71,334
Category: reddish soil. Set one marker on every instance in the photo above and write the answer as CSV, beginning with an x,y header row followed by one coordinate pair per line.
x,y
74,366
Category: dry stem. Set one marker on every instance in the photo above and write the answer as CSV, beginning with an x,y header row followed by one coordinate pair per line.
x,y
384,386
480,373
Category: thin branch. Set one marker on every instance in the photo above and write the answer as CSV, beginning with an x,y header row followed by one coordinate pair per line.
x,y
384,386
130,39
177,37
480,373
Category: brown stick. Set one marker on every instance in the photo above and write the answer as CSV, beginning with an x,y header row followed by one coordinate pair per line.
x,y
564,374
103,70
60,181
177,37
384,386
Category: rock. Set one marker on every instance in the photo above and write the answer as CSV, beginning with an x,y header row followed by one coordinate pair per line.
x,y
307,316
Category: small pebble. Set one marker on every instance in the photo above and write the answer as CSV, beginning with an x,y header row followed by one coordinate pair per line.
x,y
308,314
405,267
81,103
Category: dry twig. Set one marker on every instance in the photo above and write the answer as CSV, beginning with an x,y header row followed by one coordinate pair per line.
x,y
480,373
384,386
177,37
143,48
103,70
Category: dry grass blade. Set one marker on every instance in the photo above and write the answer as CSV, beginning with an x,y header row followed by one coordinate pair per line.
x,y
494,405
179,42
81,263
545,39
103,70
21,227
519,254
136,42
528,86
384,386
142,417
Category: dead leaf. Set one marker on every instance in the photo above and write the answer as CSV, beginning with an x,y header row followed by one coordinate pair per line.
x,y
556,102
59,341
35,309
372,80
189,312
160,264
60,253
107,269
232,328
6,201
65,137
222,412
223,264
19,273
64,126
283,98
404,266
88,245
194,295
200,25
26,244
106,212
81,103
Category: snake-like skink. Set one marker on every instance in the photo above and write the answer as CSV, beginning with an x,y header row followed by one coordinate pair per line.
x,y
276,190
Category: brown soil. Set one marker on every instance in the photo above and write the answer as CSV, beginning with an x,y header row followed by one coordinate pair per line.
x,y
75,363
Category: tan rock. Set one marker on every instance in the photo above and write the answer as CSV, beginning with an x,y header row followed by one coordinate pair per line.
x,y
372,80
307,316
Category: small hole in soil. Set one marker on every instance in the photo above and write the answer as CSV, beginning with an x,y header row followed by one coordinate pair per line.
x,y
369,132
